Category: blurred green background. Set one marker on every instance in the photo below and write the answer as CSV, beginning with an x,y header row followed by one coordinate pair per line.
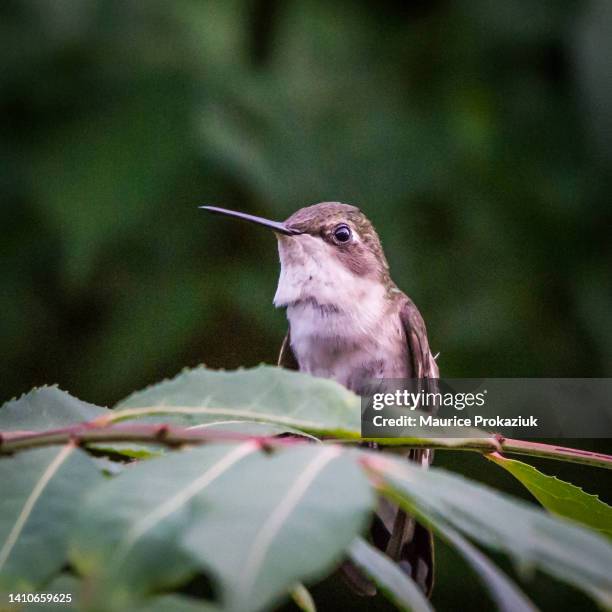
x,y
476,135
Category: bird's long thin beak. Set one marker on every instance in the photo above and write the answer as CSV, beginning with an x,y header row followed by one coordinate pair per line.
x,y
277,226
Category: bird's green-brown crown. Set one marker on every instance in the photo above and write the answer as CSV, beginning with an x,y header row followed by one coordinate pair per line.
x,y
359,249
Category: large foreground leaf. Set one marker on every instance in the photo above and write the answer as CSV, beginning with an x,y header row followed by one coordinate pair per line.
x,y
40,493
559,497
50,408
398,587
68,585
175,603
264,394
507,595
257,523
533,538
388,576
46,408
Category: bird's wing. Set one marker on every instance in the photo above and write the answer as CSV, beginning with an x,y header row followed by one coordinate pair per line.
x,y
286,357
422,362
407,542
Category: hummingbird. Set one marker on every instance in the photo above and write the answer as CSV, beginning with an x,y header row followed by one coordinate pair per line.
x,y
348,321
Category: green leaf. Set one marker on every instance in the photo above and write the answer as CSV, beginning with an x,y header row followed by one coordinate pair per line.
x,y
176,603
46,408
253,428
314,503
68,584
50,407
559,497
290,400
109,467
257,523
395,584
263,394
41,492
532,538
302,598
64,584
507,596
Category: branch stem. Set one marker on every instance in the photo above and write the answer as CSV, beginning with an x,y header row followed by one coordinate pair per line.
x,y
507,445
173,436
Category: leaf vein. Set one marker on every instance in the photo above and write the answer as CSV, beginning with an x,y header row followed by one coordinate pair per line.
x,y
273,525
34,496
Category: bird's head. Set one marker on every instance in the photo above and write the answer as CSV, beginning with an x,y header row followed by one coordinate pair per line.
x,y
326,250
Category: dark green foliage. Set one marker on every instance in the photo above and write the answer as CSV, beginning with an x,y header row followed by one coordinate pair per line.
x,y
475,135
472,134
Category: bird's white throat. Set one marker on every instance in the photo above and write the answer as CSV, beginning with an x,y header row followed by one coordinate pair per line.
x,y
339,321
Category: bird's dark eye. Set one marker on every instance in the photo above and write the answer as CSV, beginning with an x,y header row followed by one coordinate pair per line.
x,y
342,234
